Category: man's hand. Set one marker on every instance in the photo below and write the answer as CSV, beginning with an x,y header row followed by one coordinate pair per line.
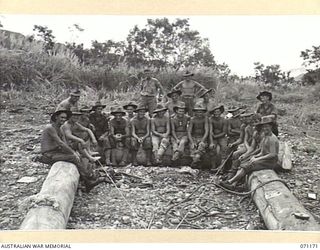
x,y
211,146
77,157
83,143
192,145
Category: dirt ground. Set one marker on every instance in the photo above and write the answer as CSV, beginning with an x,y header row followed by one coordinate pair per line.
x,y
161,201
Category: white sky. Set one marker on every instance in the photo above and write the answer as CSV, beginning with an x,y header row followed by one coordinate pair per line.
x,y
238,41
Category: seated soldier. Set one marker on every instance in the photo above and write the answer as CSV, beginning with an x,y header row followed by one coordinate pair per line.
x,y
198,132
129,108
71,102
119,133
218,131
234,124
266,159
179,125
267,108
140,126
160,129
54,148
100,121
71,128
175,101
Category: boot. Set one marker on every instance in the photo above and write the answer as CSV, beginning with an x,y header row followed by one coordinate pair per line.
x,y
90,184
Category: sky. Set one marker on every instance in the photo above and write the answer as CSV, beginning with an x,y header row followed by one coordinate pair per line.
x,y
238,41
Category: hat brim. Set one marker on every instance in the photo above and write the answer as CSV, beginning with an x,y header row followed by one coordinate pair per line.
x,y
186,75
179,92
138,109
73,94
130,105
206,92
220,107
118,112
160,110
196,109
265,93
233,110
262,123
56,113
97,106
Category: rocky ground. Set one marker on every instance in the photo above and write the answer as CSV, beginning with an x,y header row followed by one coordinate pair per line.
x,y
153,197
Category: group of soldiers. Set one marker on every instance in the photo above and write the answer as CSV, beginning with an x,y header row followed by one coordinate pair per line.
x,y
189,120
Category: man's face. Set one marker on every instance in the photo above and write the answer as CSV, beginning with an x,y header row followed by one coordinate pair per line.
x,y
74,118
99,110
199,113
180,112
74,99
161,114
217,113
130,110
60,119
147,74
266,129
141,113
117,116
264,98
175,97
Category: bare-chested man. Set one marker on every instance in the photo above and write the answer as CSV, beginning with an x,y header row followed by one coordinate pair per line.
x,y
140,126
71,103
160,129
218,131
130,108
206,99
198,132
266,159
54,148
72,127
174,95
189,89
179,125
234,124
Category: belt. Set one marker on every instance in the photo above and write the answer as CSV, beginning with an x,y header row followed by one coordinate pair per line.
x,y
188,96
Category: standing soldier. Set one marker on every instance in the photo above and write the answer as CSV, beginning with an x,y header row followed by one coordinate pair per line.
x,y
179,125
175,101
266,159
150,88
189,89
198,132
160,129
140,126
71,102
54,148
206,100
267,108
119,132
218,132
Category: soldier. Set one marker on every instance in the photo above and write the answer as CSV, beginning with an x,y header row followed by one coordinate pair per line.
x,y
267,108
99,120
198,132
179,125
140,126
119,133
56,149
266,159
189,89
130,108
150,87
160,129
175,101
218,132
71,128
71,102
234,124
206,100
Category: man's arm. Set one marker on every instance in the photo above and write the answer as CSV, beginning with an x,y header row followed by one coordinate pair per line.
x,y
68,134
174,135
189,133
153,127
178,86
133,130
206,130
148,130
273,150
89,131
223,133
53,134
168,128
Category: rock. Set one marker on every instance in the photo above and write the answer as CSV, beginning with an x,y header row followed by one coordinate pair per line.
x,y
216,225
312,196
175,220
27,179
126,219
158,225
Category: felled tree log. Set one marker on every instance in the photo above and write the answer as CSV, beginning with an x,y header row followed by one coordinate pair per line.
x,y
50,209
285,156
278,207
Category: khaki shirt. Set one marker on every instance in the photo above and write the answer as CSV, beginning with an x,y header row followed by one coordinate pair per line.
x,y
149,87
67,105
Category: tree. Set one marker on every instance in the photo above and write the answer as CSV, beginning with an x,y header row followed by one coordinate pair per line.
x,y
311,59
163,44
46,35
270,74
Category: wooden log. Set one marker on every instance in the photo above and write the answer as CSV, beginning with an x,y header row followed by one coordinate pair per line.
x,y
278,207
52,206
